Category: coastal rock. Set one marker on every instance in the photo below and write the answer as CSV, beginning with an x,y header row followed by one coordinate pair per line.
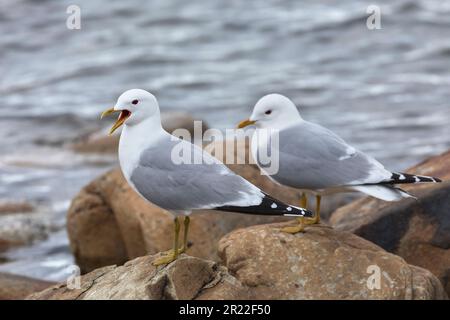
x,y
321,264
94,234
12,216
13,287
108,223
138,279
99,142
20,228
9,207
418,231
4,245
263,263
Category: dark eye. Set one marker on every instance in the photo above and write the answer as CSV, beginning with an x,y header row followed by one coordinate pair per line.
x,y
135,101
268,112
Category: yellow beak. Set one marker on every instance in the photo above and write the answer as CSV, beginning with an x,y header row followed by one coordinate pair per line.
x,y
245,123
124,114
108,112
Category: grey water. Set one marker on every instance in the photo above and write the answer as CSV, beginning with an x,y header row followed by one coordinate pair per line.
x,y
386,91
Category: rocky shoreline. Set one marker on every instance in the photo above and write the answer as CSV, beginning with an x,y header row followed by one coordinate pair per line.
x,y
260,262
114,235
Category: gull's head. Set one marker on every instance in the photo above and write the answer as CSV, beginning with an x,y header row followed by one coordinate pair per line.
x,y
273,111
135,106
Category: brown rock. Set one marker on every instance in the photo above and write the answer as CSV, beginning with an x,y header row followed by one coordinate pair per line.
x,y
12,216
8,207
19,228
264,263
138,279
13,287
108,223
180,120
418,231
95,237
4,245
320,264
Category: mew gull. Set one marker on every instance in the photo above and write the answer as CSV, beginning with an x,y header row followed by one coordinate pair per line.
x,y
147,161
314,159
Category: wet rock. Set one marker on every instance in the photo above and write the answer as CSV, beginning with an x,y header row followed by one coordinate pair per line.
x,y
8,207
23,228
418,231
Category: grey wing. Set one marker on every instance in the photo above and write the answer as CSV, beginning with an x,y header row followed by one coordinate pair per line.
x,y
313,157
163,180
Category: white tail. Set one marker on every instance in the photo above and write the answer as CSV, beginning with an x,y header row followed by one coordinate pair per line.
x,y
386,193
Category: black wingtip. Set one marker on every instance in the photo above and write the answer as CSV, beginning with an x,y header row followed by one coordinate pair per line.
x,y
303,212
405,178
271,207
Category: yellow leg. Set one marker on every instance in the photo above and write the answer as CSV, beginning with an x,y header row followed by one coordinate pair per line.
x,y
303,201
186,229
300,227
170,255
301,220
184,246
316,218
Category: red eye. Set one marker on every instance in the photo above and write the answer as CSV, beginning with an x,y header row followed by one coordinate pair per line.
x,y
135,101
268,112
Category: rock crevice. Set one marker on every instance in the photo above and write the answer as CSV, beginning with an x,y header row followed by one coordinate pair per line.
x,y
261,262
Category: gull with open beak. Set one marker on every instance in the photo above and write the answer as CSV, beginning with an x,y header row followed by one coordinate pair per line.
x,y
147,161
316,160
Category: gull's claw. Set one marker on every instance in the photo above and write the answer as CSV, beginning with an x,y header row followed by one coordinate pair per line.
x,y
300,227
170,252
165,259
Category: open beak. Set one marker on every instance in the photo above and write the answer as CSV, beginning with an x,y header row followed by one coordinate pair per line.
x,y
245,123
124,115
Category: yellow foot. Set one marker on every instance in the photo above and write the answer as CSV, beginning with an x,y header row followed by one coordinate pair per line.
x,y
300,227
170,252
315,220
294,229
165,259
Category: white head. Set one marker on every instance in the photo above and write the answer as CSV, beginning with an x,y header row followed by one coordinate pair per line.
x,y
135,106
273,111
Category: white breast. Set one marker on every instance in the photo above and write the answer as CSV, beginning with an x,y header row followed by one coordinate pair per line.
x,y
133,140
259,143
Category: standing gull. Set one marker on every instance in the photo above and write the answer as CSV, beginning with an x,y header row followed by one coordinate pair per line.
x,y
147,162
314,159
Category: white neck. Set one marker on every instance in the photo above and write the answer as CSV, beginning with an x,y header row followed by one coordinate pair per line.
x,y
134,139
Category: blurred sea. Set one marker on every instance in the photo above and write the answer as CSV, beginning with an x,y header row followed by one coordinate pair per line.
x,y
385,91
